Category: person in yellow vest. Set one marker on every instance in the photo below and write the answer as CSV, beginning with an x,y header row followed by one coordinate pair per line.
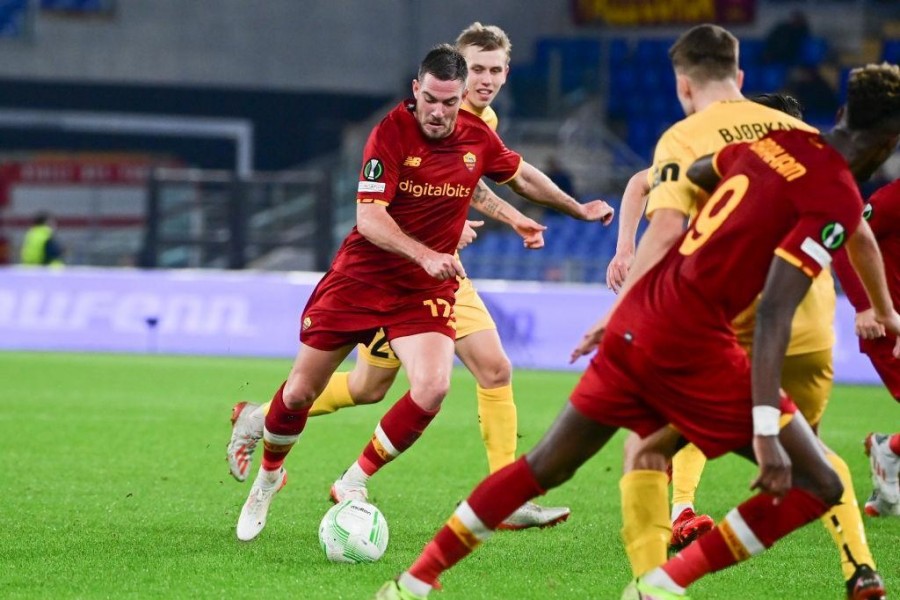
x,y
40,247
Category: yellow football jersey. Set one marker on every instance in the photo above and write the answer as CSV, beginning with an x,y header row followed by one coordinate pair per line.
x,y
706,132
488,115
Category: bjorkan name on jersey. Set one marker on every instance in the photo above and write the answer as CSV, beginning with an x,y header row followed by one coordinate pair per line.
x,y
746,132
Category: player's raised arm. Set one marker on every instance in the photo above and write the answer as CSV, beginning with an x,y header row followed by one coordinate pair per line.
x,y
485,201
634,200
375,224
533,185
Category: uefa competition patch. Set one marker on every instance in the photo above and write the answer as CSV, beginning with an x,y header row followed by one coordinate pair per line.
x,y
373,170
867,211
833,235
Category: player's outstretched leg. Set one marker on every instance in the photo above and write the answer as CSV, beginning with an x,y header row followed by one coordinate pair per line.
x,y
479,347
758,523
282,430
571,440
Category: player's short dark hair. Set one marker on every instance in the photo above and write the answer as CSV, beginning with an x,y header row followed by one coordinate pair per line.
x,y
873,97
486,37
706,53
444,62
783,102
41,218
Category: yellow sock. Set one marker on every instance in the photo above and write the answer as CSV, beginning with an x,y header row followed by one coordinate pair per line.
x,y
850,522
497,417
646,528
335,396
687,467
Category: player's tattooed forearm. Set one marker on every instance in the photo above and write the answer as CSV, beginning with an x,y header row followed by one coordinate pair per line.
x,y
483,201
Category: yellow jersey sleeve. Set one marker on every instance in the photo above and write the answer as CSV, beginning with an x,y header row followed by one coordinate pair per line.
x,y
669,185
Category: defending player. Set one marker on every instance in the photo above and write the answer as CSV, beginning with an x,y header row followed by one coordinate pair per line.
x,y
669,365
395,269
705,60
487,51
882,213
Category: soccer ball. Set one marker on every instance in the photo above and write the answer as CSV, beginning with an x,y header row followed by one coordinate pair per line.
x,y
353,532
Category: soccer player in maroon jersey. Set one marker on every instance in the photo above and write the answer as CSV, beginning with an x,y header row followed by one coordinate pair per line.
x,y
396,269
669,366
882,212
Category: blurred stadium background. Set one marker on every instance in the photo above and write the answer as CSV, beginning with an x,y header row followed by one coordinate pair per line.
x,y
226,134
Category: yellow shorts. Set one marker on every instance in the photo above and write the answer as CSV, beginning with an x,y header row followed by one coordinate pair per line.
x,y
808,378
471,316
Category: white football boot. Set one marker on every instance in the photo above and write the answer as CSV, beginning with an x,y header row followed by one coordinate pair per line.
x,y
246,431
533,515
256,508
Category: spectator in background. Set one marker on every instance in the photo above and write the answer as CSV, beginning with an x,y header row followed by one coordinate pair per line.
x,y
818,98
784,43
40,247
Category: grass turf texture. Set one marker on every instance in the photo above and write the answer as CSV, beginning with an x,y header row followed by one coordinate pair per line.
x,y
117,487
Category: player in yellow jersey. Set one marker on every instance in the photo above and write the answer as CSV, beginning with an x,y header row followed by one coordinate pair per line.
x,y
487,53
708,87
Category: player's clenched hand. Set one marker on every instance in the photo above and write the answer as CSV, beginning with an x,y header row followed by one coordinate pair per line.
x,y
442,266
590,340
867,327
531,231
618,269
774,466
597,210
468,234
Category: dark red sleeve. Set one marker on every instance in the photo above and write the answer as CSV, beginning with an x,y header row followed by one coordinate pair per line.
x,y
850,282
502,163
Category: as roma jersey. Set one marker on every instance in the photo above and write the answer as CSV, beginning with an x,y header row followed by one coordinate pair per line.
x,y
882,211
426,186
788,195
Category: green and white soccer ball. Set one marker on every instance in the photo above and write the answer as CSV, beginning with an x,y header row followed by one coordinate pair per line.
x,y
353,532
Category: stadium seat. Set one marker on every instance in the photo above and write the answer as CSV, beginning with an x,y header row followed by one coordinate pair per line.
x,y
891,51
750,53
814,51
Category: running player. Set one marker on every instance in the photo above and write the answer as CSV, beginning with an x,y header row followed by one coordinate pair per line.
x,y
882,213
708,81
395,270
487,50
669,365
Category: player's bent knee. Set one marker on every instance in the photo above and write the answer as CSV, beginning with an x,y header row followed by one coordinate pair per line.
x,y
429,395
497,374
297,396
370,396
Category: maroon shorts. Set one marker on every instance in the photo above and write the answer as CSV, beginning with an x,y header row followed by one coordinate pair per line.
x,y
705,396
880,352
343,311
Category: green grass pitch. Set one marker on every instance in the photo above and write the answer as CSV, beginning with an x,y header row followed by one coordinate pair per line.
x,y
116,487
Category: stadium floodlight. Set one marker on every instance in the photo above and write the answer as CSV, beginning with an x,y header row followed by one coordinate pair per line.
x,y
240,131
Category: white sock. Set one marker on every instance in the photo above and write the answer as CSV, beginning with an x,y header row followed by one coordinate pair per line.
x,y
355,474
679,508
659,578
416,586
269,478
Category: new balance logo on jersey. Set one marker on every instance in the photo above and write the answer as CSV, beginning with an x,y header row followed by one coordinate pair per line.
x,y
412,161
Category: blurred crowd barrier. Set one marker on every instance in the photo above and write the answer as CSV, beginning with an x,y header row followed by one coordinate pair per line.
x,y
247,313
